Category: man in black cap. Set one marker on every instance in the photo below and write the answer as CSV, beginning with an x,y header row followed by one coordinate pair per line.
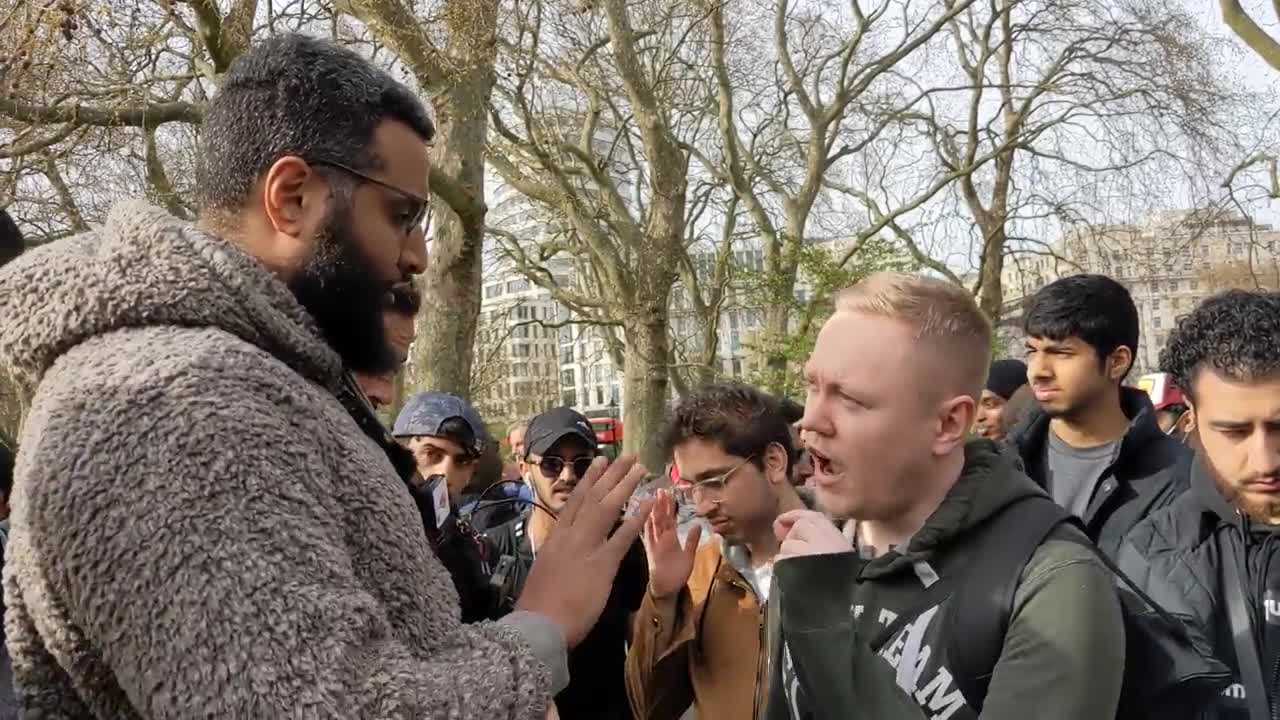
x,y
1004,379
559,447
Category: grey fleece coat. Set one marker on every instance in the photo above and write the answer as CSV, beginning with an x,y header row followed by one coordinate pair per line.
x,y
199,527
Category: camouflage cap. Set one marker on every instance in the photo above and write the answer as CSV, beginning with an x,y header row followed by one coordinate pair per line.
x,y
426,413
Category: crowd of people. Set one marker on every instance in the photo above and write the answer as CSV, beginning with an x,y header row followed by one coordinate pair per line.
x,y
209,519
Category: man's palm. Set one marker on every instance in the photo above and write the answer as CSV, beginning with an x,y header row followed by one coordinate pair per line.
x,y
670,563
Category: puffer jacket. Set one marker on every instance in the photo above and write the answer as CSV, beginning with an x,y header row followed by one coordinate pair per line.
x,y
200,528
1176,556
1149,470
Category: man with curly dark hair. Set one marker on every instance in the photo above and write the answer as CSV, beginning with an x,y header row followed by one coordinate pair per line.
x,y
1214,555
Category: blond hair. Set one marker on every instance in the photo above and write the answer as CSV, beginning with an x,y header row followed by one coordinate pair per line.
x,y
942,314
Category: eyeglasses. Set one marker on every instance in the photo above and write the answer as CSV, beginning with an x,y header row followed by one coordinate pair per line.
x,y
416,215
712,487
551,466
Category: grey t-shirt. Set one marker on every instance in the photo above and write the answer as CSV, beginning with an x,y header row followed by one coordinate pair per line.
x,y
1072,473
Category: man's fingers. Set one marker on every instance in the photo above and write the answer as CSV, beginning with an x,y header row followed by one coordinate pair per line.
x,y
783,524
625,536
664,512
616,471
691,542
579,495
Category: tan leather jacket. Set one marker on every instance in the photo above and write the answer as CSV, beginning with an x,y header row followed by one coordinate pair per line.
x,y
701,647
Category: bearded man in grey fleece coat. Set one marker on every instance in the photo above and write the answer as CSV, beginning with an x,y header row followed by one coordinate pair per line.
x,y
201,527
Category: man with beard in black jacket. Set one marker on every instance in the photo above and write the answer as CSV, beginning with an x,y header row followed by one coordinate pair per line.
x,y
1092,443
1214,555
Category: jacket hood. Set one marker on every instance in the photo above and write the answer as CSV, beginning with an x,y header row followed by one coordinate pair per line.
x,y
145,268
992,478
1030,436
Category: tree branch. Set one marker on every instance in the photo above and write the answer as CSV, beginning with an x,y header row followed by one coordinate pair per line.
x,y
145,117
396,27
1247,30
39,144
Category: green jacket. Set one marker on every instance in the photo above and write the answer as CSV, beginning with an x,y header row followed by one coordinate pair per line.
x,y
1063,655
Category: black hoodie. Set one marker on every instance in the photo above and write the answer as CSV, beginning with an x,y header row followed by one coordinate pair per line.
x,y
1149,470
1176,556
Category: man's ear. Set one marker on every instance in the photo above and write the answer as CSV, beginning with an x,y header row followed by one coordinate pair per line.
x,y
775,463
287,195
955,421
1119,362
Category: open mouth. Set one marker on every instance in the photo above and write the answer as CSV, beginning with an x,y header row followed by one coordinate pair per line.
x,y
824,466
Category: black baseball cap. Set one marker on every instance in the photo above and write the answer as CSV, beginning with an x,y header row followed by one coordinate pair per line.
x,y
552,426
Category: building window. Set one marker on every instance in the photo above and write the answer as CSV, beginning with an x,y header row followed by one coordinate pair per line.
x,y
514,286
492,291
1195,284
737,368
1155,288
1157,321
1155,304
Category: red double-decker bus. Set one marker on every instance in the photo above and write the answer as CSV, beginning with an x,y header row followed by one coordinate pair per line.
x,y
608,435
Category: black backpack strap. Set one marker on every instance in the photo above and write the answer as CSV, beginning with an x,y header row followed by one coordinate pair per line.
x,y
979,611
1242,634
934,594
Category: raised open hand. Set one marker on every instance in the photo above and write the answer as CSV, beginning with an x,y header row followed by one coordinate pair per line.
x,y
670,564
570,580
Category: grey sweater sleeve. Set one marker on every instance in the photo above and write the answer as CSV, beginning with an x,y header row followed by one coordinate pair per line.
x,y
214,575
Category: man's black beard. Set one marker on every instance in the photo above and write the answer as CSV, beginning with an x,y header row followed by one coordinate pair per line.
x,y
339,287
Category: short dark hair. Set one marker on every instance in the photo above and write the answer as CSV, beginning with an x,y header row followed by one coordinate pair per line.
x,y
457,430
295,95
11,241
741,419
1235,333
1094,308
792,411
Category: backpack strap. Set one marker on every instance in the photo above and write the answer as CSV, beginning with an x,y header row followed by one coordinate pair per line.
x,y
1242,634
982,604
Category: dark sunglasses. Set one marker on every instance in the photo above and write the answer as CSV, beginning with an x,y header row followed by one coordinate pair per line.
x,y
551,466
414,218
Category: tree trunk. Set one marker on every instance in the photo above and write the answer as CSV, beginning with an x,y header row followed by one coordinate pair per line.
x,y
645,381
991,297
780,298
451,285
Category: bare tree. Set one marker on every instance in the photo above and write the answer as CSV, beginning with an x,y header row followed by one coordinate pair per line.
x,y
1075,99
814,87
586,120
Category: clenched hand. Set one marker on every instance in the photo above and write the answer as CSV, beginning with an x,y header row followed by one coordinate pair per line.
x,y
806,532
